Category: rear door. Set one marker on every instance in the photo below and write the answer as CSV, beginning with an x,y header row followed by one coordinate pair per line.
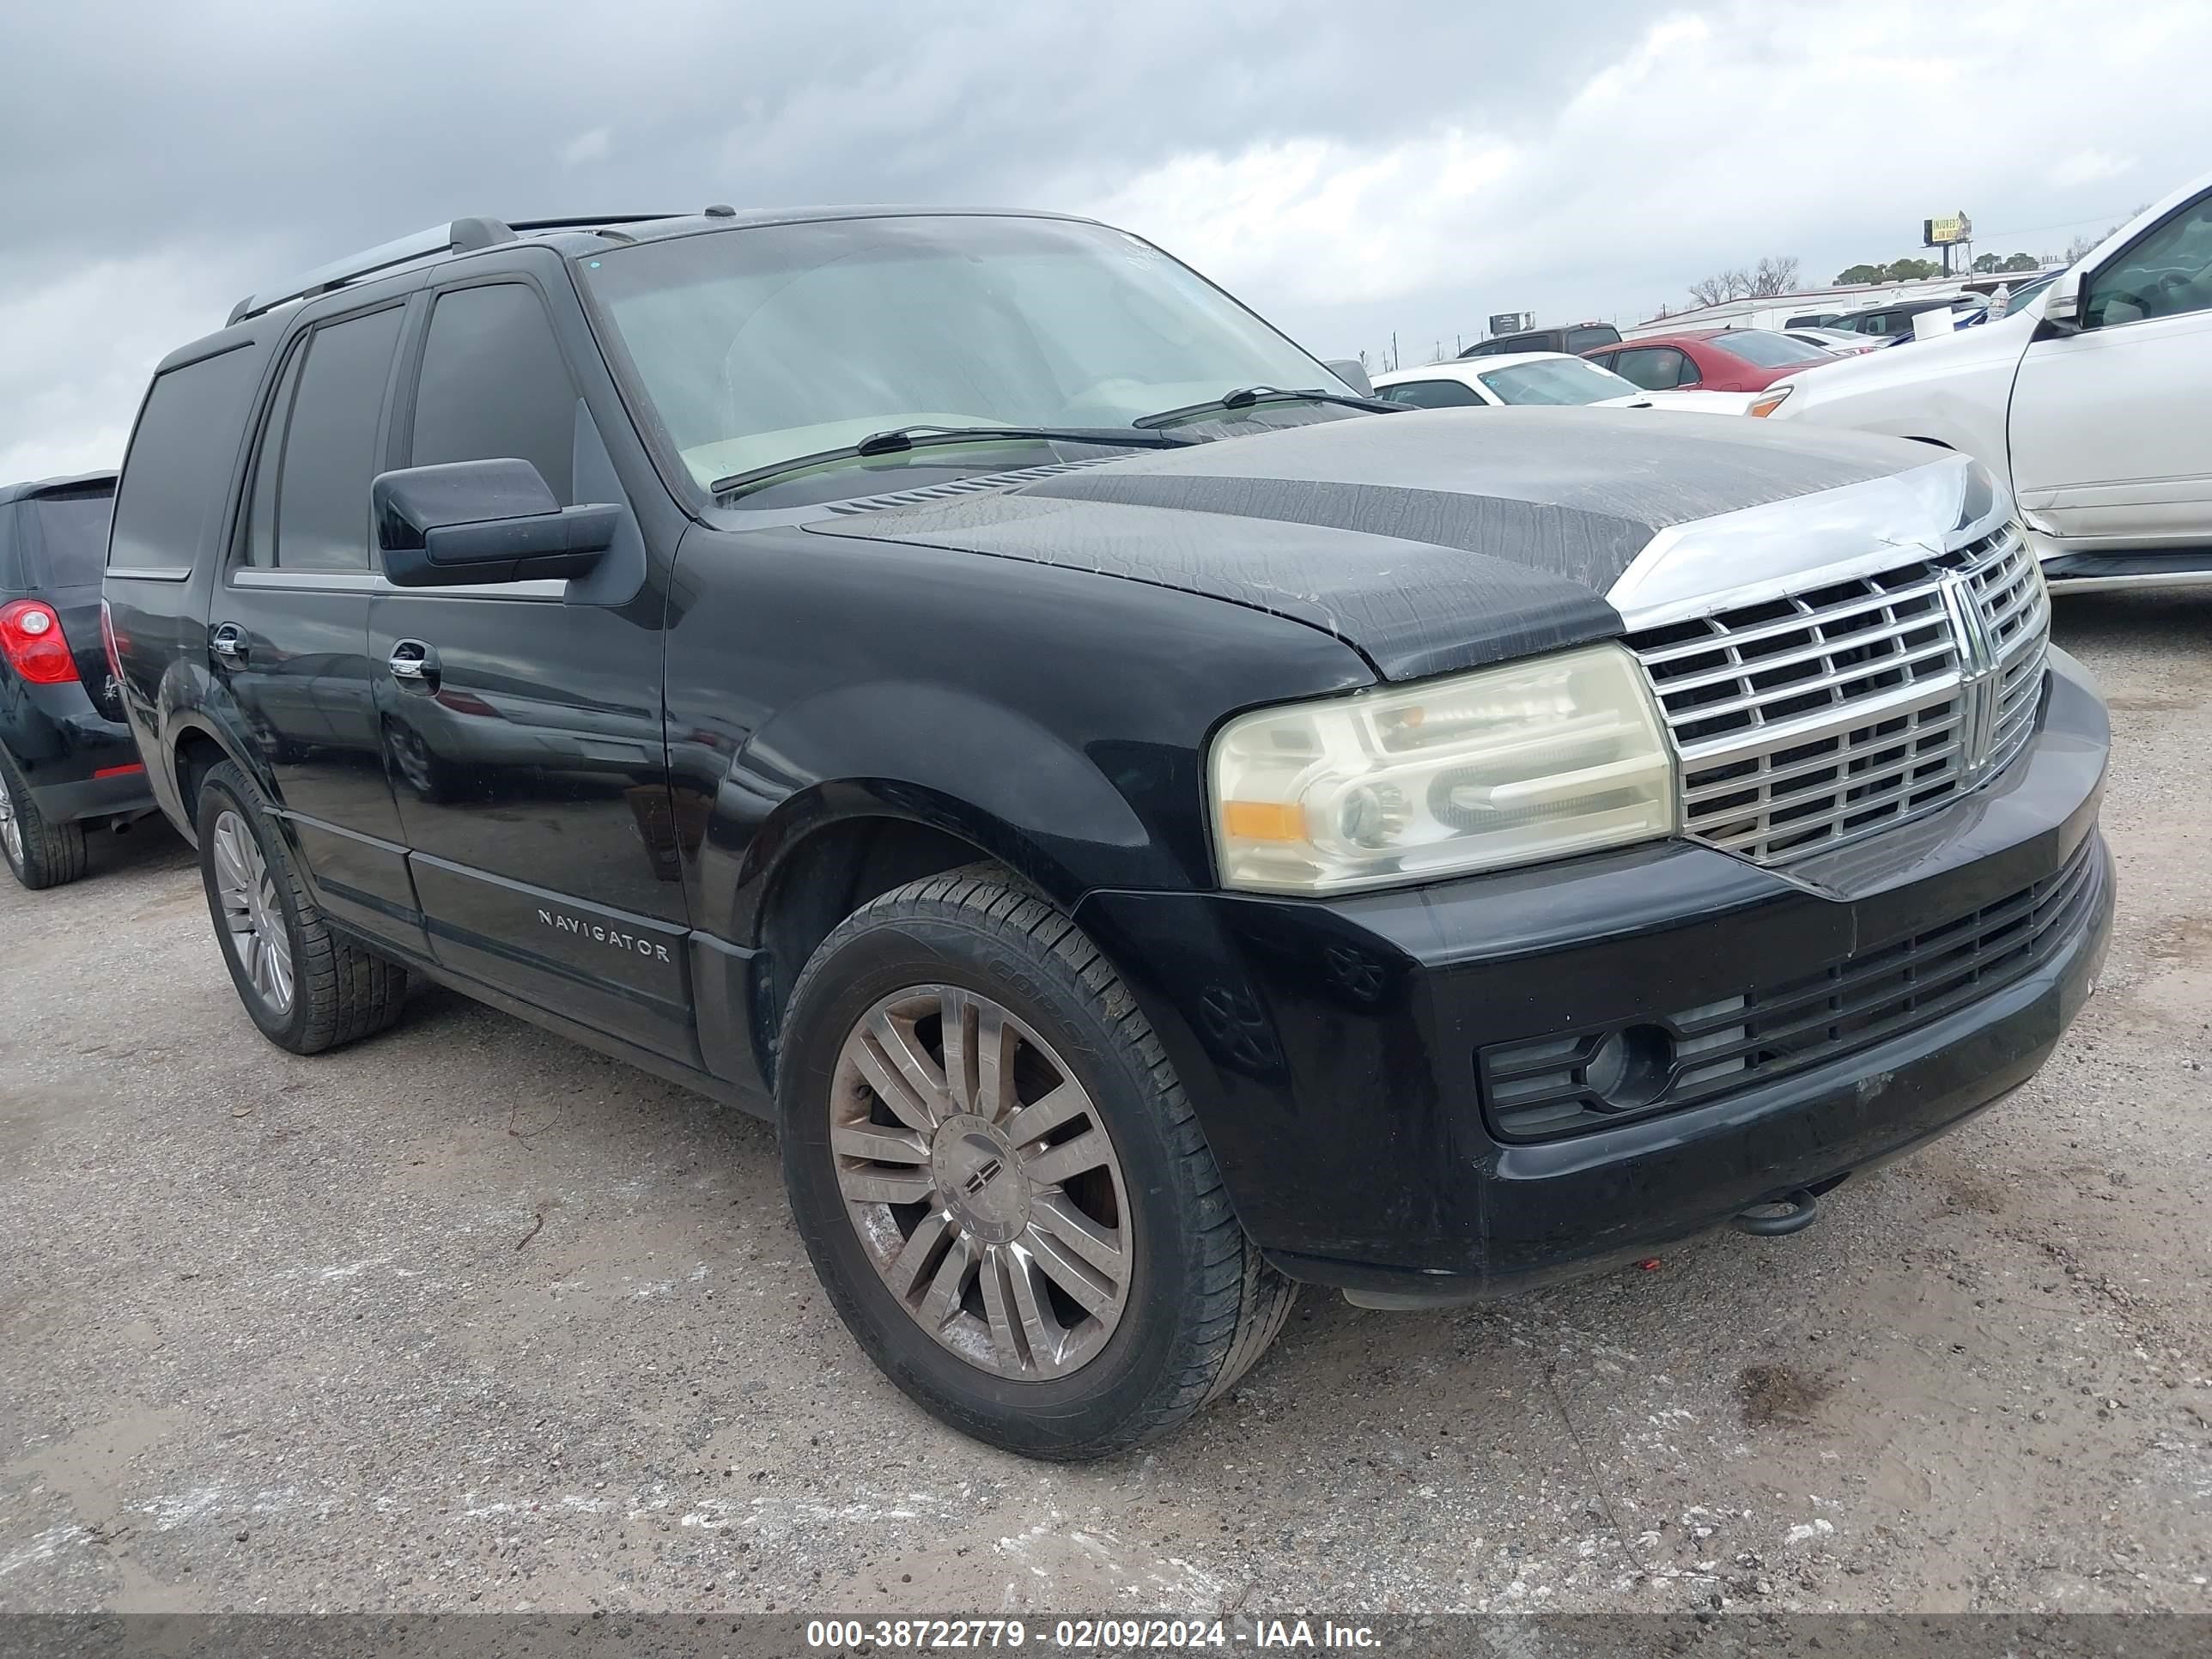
x,y
2108,425
287,625
524,733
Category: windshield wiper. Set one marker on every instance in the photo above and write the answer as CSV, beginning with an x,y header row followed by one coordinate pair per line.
x,y
902,438
1245,396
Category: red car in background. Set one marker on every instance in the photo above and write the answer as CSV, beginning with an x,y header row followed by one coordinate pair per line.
x,y
1709,359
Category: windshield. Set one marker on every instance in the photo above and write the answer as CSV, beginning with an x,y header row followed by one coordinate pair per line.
x,y
1756,345
1557,380
761,344
75,531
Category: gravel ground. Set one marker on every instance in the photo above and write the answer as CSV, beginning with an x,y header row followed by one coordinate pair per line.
x,y
468,1317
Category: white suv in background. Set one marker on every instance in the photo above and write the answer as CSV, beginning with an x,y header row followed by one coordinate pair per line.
x,y
2094,402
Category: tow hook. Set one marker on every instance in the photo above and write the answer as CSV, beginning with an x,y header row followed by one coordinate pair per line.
x,y
1791,1213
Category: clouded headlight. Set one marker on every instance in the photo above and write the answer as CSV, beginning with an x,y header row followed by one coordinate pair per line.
x,y
1534,760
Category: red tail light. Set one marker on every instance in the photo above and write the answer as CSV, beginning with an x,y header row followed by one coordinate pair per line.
x,y
31,639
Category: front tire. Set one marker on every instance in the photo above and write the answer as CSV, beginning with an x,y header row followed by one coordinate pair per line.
x,y
1001,1182
40,853
305,987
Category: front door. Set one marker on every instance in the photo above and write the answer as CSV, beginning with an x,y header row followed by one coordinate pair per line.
x,y
2108,424
288,626
521,723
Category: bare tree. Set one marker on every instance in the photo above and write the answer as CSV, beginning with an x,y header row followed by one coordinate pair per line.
x,y
1776,274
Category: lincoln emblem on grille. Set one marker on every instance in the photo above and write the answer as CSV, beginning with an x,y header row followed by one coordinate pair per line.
x,y
1978,671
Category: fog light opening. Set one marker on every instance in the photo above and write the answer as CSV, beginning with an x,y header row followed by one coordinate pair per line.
x,y
1631,1067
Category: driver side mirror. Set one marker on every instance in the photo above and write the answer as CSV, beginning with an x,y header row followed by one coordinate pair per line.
x,y
470,523
2061,305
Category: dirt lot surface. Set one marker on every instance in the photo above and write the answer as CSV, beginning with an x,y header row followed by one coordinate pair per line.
x,y
468,1317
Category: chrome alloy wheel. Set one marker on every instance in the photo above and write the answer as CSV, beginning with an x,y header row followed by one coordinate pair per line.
x,y
11,829
980,1177
252,914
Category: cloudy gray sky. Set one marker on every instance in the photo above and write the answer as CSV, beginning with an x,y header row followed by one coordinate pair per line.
x,y
1350,169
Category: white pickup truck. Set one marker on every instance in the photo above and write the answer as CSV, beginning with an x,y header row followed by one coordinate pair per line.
x,y
2094,402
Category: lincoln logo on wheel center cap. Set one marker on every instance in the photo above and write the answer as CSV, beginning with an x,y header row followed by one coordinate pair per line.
x,y
971,1162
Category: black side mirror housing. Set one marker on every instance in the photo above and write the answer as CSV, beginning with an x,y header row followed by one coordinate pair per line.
x,y
470,523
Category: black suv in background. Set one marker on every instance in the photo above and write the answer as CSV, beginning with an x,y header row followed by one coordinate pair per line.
x,y
1152,825
67,760
1894,322
1576,340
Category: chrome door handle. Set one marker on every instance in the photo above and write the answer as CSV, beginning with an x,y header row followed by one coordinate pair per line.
x,y
414,664
228,645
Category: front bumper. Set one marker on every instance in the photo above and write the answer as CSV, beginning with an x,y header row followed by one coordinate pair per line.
x,y
1331,1048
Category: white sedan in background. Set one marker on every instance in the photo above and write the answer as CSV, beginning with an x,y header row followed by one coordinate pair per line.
x,y
1540,377
2094,403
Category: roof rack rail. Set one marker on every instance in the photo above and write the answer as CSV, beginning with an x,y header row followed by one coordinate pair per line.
x,y
461,236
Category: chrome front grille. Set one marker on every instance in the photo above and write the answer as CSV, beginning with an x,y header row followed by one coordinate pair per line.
x,y
1815,719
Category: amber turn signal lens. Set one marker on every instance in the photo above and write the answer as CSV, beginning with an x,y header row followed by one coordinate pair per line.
x,y
1264,820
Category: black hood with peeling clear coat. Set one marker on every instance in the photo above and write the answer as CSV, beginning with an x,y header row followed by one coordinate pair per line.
x,y
1429,541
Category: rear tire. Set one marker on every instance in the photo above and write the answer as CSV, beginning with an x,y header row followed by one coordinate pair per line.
x,y
952,1250
307,988
40,853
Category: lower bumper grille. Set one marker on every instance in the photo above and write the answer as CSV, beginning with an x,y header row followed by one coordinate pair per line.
x,y
1579,1081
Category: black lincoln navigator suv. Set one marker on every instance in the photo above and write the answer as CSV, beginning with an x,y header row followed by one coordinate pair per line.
x,y
1153,826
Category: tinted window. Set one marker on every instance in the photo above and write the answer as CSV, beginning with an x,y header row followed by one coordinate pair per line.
x,y
2168,272
330,449
1433,394
73,537
1656,369
1582,339
261,512
1756,345
178,467
494,386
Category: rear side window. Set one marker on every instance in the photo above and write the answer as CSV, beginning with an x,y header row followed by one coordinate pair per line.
x,y
1582,339
1654,368
1756,345
328,447
72,539
494,386
178,467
